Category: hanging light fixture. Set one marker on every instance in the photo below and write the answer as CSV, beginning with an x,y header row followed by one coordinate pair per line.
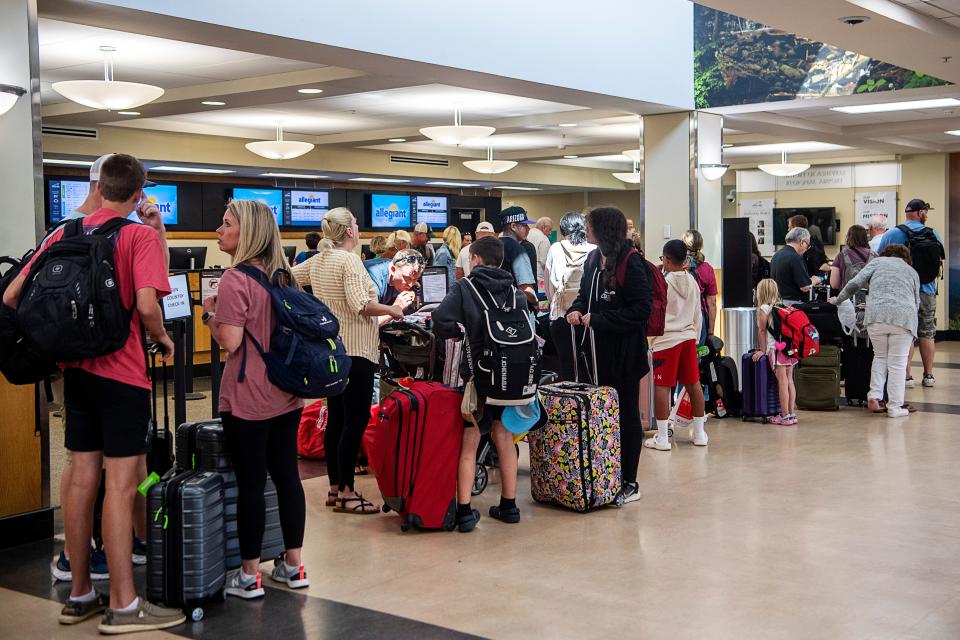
x,y
713,172
783,168
108,93
634,154
633,177
490,165
457,133
279,149
8,96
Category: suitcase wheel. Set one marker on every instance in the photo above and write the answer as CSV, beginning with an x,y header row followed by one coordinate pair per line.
x,y
404,526
385,508
197,614
480,480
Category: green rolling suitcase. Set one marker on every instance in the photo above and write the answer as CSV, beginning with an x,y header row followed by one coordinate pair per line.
x,y
818,380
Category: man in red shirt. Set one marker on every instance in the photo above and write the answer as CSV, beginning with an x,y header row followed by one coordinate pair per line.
x,y
107,402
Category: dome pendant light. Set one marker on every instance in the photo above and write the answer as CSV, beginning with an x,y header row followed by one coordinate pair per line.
x,y
634,177
279,149
784,169
490,165
458,133
108,93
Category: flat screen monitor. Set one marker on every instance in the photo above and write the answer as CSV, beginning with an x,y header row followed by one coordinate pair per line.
x,y
305,208
823,218
187,258
432,210
273,198
164,196
64,197
389,211
434,284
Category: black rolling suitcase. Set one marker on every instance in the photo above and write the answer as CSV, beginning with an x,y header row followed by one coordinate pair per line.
x,y
160,456
856,363
185,541
186,450
823,316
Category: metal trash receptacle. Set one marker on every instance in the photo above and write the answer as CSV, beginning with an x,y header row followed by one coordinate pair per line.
x,y
740,333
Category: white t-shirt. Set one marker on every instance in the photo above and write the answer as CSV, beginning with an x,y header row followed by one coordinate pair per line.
x,y
541,243
875,243
463,260
771,343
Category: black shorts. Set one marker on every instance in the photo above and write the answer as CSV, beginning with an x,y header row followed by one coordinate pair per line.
x,y
491,412
105,415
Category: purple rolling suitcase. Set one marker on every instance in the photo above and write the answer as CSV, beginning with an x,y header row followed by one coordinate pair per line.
x,y
761,397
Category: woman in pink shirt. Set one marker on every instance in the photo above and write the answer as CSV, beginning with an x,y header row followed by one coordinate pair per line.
x,y
259,420
707,280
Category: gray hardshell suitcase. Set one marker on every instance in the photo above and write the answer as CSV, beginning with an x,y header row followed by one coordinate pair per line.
x,y
185,541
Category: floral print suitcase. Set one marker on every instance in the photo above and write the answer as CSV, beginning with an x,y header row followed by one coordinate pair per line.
x,y
575,457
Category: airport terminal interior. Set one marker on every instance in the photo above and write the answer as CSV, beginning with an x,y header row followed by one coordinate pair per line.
x,y
728,117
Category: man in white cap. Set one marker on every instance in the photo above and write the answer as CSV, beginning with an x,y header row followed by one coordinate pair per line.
x,y
484,229
421,242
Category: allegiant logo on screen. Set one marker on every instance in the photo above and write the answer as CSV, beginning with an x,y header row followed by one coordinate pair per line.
x,y
312,198
430,204
391,213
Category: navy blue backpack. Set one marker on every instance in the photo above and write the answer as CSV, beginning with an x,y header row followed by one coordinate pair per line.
x,y
305,356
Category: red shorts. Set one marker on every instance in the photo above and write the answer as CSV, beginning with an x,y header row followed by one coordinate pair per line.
x,y
678,364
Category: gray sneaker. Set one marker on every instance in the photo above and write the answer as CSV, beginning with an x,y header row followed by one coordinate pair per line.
x,y
147,617
75,611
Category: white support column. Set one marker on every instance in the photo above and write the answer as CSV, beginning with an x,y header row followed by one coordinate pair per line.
x,y
709,203
667,193
21,169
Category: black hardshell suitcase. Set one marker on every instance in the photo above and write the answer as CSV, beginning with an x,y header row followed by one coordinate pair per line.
x,y
186,449
856,365
211,454
185,541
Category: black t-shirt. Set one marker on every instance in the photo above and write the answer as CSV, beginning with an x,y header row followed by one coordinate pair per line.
x,y
790,271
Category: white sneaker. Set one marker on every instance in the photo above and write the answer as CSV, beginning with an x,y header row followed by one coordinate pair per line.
x,y
246,589
293,577
897,412
700,439
656,443
630,492
910,383
929,380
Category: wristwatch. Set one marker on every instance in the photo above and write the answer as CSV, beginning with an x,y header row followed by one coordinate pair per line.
x,y
207,316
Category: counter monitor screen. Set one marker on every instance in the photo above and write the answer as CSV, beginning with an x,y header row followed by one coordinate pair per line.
x,y
64,198
389,211
432,210
273,198
305,208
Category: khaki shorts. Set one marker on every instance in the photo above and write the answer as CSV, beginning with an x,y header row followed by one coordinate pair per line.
x,y
927,326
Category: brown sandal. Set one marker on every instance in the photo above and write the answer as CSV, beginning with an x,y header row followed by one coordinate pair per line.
x,y
362,507
331,498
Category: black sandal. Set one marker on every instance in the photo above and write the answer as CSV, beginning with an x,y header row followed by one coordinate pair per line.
x,y
360,470
331,498
363,507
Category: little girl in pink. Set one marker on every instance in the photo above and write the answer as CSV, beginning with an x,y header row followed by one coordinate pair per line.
x,y
768,298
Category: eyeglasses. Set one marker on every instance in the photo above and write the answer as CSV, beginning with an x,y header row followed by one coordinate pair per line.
x,y
417,260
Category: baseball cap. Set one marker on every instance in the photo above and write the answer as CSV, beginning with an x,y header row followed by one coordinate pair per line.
x,y
514,214
423,227
519,419
95,170
917,205
485,226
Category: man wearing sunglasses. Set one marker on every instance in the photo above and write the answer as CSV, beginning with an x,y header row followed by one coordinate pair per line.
x,y
396,279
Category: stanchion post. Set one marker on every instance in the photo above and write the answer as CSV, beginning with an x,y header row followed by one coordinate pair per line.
x,y
179,373
214,377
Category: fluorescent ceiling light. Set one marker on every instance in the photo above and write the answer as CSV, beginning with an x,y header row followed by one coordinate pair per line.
x,y
108,93
396,140
189,169
452,184
213,103
384,180
292,175
955,132
309,90
936,103
567,124
513,188
810,146
570,157
68,163
128,113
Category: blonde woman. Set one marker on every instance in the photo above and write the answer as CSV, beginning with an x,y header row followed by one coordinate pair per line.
x,y
768,299
447,253
259,420
339,278
707,280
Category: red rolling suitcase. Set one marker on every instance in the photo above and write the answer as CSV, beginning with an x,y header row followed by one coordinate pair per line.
x,y
416,448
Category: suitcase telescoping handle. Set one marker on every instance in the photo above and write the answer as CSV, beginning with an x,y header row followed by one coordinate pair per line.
x,y
593,353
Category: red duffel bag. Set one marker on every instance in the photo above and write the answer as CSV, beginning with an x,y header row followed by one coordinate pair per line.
x,y
313,425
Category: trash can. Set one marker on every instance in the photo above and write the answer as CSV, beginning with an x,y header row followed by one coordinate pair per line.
x,y
740,331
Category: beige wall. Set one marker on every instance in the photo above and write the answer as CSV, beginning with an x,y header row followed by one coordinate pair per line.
x,y
922,176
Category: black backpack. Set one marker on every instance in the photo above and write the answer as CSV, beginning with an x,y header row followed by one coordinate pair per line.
x,y
19,363
305,357
507,371
926,252
70,307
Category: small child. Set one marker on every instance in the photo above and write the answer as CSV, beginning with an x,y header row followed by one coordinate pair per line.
x,y
675,352
461,307
768,299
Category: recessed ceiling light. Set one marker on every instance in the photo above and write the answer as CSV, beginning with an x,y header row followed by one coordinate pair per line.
x,y
506,186
567,124
68,163
955,132
570,157
189,169
309,90
882,107
292,175
396,140
452,184
213,103
128,113
384,180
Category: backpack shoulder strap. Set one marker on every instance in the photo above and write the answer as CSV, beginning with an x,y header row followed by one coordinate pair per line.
x,y
907,231
255,274
71,228
261,278
622,266
476,293
107,227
